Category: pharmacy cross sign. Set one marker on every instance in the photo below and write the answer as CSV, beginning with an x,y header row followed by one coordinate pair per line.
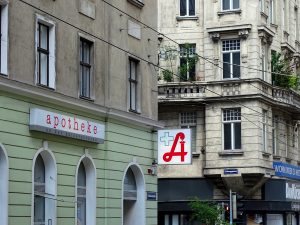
x,y
174,146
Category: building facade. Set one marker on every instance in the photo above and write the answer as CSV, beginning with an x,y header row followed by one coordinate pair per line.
x,y
78,112
217,58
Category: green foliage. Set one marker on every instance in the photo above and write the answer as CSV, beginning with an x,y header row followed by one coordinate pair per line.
x,y
279,65
171,56
206,212
167,75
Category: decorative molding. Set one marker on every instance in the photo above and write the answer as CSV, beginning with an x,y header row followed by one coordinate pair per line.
x,y
215,36
242,31
265,34
243,34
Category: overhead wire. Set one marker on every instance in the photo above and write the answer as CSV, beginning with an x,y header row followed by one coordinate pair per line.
x,y
138,57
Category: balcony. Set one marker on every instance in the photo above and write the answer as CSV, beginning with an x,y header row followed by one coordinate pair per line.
x,y
254,88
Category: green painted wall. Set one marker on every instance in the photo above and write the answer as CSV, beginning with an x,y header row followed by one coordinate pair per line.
x,y
123,144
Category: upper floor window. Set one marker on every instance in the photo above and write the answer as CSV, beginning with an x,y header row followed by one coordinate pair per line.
x,y
275,135
231,59
4,39
264,61
230,4
3,187
133,85
85,68
265,130
45,52
44,189
262,5
296,21
232,128
187,7
86,193
271,12
188,61
189,120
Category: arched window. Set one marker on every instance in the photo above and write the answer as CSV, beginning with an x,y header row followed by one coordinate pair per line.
x,y
44,199
3,186
133,196
86,192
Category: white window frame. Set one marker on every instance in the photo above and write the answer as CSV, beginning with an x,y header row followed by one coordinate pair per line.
x,y
92,63
91,190
271,12
264,130
231,58
187,9
262,5
190,123
4,39
50,185
137,216
230,6
52,45
137,82
275,134
296,21
4,175
191,51
231,122
264,61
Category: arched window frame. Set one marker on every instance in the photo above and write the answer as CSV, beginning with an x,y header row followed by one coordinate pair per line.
x,y
50,185
140,218
91,194
4,186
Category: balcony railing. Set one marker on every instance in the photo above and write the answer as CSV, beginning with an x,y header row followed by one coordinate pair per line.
x,y
185,91
180,91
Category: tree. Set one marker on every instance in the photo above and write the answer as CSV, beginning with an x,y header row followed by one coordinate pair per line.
x,y
280,65
206,212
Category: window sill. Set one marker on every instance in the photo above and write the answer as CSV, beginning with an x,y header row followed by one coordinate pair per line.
x,y
196,154
266,154
137,3
234,11
180,18
231,153
134,111
45,86
274,25
86,98
276,157
264,15
288,160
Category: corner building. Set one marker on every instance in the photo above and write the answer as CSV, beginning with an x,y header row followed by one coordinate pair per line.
x,y
78,113
244,121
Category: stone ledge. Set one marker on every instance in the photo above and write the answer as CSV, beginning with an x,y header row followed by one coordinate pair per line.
x,y
221,13
180,18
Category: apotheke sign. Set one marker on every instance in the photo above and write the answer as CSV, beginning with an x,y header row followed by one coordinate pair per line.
x,y
68,126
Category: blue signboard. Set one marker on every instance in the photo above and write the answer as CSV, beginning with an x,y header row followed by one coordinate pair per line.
x,y
286,170
151,196
231,171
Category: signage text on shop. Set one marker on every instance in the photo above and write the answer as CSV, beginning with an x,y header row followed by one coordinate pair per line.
x,y
68,126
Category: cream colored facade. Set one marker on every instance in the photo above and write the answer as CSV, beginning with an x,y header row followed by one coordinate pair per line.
x,y
269,115
90,62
